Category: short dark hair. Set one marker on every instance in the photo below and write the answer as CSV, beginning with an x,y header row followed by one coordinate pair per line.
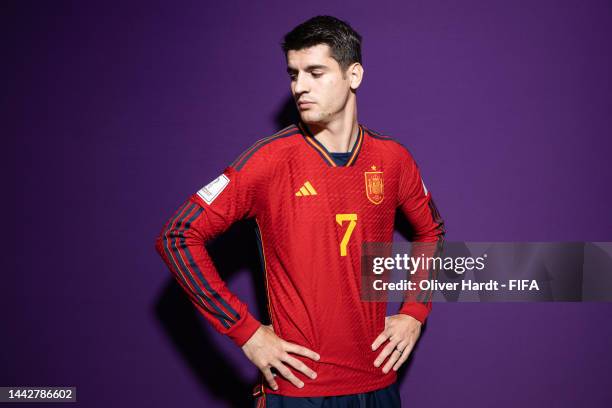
x,y
344,42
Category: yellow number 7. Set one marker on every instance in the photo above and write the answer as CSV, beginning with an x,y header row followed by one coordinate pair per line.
x,y
352,218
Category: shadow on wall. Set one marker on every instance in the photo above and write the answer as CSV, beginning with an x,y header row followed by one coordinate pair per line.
x,y
183,324
287,113
182,321
185,328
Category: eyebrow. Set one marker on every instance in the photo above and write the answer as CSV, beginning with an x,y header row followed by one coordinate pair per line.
x,y
308,68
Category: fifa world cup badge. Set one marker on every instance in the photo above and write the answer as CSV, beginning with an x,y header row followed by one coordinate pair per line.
x,y
374,184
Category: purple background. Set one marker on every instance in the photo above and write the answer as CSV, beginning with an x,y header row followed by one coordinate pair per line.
x,y
116,113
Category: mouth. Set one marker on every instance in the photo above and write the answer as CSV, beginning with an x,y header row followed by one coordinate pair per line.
x,y
304,104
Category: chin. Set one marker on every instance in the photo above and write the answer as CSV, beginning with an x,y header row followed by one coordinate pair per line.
x,y
306,117
310,117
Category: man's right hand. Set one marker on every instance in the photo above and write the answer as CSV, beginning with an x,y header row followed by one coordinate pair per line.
x,y
266,350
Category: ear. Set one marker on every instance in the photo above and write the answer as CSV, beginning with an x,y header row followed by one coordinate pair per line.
x,y
355,74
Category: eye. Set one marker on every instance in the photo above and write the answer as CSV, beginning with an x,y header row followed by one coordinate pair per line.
x,y
317,74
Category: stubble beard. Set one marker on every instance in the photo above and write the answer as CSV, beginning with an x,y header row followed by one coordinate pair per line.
x,y
319,117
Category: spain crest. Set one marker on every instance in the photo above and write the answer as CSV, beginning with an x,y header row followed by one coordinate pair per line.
x,y
374,184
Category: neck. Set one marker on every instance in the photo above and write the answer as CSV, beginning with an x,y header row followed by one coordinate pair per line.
x,y
340,134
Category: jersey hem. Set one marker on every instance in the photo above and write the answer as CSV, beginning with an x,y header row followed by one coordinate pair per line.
x,y
308,391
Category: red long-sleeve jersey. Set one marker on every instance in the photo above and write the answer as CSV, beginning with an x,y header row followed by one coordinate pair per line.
x,y
312,217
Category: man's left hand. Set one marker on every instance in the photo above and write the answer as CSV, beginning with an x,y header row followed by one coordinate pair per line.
x,y
401,332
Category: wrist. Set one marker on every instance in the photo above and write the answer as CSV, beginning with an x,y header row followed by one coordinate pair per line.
x,y
416,310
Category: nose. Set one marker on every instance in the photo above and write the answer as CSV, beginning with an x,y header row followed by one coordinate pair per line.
x,y
300,85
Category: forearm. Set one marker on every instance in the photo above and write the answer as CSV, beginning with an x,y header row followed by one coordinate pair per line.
x,y
181,244
427,243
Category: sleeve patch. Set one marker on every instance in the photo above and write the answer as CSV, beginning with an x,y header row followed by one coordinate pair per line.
x,y
209,192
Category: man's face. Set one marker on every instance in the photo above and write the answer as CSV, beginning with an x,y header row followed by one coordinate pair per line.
x,y
318,85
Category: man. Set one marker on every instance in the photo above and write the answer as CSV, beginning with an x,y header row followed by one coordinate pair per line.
x,y
317,190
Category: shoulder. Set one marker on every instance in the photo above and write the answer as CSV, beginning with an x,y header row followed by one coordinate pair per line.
x,y
388,144
266,150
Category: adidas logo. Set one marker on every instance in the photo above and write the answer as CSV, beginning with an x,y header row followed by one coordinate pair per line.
x,y
306,190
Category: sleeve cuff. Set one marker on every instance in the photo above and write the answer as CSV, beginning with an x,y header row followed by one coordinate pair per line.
x,y
417,310
244,329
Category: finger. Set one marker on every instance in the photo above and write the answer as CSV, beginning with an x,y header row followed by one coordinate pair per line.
x,y
385,353
401,360
404,356
396,354
301,350
382,337
285,372
267,373
298,365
